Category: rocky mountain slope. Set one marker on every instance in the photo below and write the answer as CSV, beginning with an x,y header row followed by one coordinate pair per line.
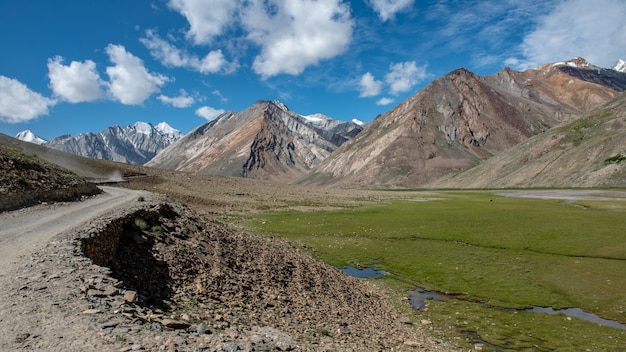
x,y
133,144
588,152
462,119
27,180
265,141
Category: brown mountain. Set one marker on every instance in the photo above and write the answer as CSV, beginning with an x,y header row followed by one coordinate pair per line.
x,y
588,152
265,141
461,119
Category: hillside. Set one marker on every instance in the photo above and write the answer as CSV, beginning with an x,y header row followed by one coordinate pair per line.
x,y
461,119
265,141
589,152
27,180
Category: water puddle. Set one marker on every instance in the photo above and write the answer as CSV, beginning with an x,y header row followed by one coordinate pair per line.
x,y
361,273
419,297
577,313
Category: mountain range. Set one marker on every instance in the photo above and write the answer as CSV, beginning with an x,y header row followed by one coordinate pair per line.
x,y
133,144
561,124
461,119
266,140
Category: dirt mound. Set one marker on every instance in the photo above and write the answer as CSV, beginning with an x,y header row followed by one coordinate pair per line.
x,y
214,286
27,180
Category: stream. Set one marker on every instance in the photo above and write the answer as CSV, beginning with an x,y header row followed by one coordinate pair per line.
x,y
419,297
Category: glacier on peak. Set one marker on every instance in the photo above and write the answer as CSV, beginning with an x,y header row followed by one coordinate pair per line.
x,y
620,66
166,129
29,136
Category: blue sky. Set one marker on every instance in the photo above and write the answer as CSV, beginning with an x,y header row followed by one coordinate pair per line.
x,y
72,66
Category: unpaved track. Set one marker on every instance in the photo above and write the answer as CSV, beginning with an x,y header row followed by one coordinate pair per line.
x,y
22,232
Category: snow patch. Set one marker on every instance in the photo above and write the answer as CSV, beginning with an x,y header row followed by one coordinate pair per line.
x,y
358,122
29,136
620,66
143,128
168,130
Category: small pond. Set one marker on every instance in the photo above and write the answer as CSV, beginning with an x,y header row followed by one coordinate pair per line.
x,y
361,273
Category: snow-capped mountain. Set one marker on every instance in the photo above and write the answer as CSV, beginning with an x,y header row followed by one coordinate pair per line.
x,y
29,136
620,66
133,144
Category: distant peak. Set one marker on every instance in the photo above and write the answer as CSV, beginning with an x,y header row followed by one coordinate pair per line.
x,y
29,136
143,127
577,62
358,122
620,66
166,129
280,105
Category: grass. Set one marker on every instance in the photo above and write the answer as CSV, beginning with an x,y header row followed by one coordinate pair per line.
x,y
495,252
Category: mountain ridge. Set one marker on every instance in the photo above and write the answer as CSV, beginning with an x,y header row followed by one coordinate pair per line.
x,y
133,144
266,141
461,119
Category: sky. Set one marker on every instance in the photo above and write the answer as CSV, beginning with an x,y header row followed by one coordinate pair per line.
x,y
75,66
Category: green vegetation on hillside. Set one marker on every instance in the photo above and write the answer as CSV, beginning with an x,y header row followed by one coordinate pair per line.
x,y
496,253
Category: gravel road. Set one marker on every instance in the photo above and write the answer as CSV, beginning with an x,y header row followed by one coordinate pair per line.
x,y
39,274
24,231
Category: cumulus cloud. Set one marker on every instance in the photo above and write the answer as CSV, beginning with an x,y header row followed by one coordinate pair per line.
x,y
78,82
206,19
291,34
387,9
19,104
294,34
171,56
130,82
384,101
595,30
209,113
181,101
403,76
369,86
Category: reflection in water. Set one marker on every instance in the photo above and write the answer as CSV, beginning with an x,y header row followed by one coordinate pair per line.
x,y
361,273
578,313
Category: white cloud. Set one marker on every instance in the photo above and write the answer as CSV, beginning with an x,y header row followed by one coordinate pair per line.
x,y
130,82
595,30
206,19
294,34
291,34
181,101
171,56
387,9
404,75
19,104
369,86
78,82
209,113
384,101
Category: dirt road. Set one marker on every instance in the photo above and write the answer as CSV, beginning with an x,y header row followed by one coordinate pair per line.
x,y
24,231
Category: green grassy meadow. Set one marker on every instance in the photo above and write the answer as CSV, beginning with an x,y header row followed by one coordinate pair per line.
x,y
493,253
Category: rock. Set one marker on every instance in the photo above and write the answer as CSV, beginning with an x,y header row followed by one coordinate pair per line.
x,y
426,322
175,324
130,296
108,324
412,343
201,329
405,320
92,311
